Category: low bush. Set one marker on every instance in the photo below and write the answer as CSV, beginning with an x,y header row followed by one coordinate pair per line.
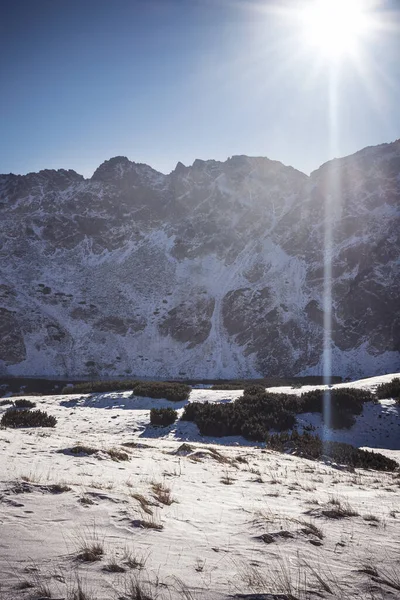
x,y
191,411
22,403
390,389
176,392
27,418
152,389
227,386
251,416
93,387
257,412
83,449
5,402
266,382
344,403
253,390
341,398
312,447
163,416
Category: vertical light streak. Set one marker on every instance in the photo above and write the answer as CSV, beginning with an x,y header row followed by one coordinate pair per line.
x,y
331,199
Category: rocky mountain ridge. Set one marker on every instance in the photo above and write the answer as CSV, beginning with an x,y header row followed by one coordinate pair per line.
x,y
219,269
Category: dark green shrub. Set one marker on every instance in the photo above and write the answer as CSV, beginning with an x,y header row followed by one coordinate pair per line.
x,y
27,418
94,387
257,412
191,410
251,416
342,398
5,402
389,390
253,390
227,386
341,419
344,403
312,447
22,403
176,392
266,382
163,416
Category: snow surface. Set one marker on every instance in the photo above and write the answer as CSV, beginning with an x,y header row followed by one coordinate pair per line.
x,y
226,493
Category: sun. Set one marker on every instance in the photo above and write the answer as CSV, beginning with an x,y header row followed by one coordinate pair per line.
x,y
335,28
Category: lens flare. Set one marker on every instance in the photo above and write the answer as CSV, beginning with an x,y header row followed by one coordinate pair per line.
x,y
335,28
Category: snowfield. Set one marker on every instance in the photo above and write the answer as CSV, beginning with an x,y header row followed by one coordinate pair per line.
x,y
185,516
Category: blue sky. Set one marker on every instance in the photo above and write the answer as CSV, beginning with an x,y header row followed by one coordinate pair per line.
x,y
166,80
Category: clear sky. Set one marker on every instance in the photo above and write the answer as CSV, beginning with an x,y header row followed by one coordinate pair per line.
x,y
166,80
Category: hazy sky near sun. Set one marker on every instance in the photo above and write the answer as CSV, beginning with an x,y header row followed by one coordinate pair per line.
x,y
166,80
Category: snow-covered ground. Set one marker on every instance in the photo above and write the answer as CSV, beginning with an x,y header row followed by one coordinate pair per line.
x,y
237,519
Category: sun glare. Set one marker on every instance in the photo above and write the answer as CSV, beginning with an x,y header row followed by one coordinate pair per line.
x,y
335,28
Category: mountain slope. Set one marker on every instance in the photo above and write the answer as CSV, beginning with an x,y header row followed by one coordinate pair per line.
x,y
215,270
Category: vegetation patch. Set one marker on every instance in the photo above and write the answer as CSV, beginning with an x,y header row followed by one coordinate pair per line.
x,y
144,503
5,402
93,387
113,567
265,382
343,403
162,493
150,523
90,546
22,403
389,390
258,411
81,449
117,455
163,417
251,415
312,447
59,488
339,510
91,551
169,390
27,418
176,392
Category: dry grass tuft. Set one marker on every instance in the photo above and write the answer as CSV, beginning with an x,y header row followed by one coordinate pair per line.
x,y
83,449
90,547
79,593
144,503
310,528
335,509
162,493
86,501
133,561
117,455
371,518
219,457
113,567
149,523
227,479
138,590
384,576
91,552
37,581
24,584
59,488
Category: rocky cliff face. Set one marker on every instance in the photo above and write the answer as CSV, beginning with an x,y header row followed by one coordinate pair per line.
x,y
215,270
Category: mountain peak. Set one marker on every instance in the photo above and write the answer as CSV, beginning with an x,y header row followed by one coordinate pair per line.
x,y
114,168
180,168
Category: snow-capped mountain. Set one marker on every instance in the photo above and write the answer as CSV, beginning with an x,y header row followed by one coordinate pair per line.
x,y
215,270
